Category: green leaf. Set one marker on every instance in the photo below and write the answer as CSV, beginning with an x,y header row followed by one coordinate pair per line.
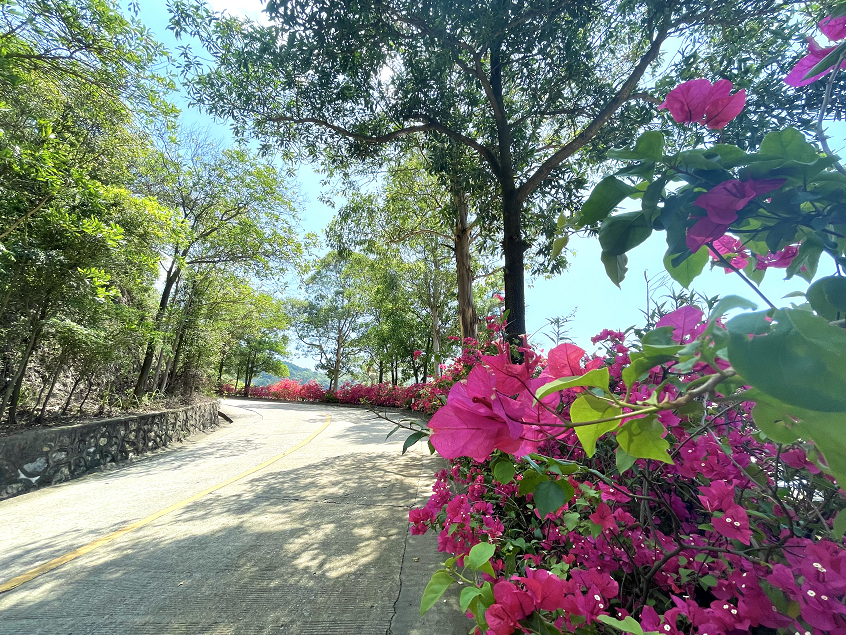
x,y
642,438
412,439
558,245
839,527
467,596
615,267
788,144
588,408
800,361
628,625
549,498
642,364
708,581
607,195
503,471
440,582
618,234
649,145
660,342
479,554
624,460
530,482
689,268
695,160
487,568
598,377
808,257
827,297
728,303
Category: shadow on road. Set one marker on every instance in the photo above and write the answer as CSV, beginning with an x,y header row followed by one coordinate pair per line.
x,y
305,547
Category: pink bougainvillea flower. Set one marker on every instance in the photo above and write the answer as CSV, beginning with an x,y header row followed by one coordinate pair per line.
x,y
519,604
500,620
473,422
721,204
779,260
565,360
833,28
545,588
704,231
719,495
510,379
732,249
722,105
698,101
604,517
687,102
684,322
816,54
734,524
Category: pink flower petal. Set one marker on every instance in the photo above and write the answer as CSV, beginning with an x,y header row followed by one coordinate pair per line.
x,y
721,111
683,320
833,28
687,101
565,360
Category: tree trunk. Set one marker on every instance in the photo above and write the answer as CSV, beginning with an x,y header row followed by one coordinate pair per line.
x,y
249,372
381,371
144,374
87,392
76,383
56,373
513,249
467,316
157,374
13,391
237,377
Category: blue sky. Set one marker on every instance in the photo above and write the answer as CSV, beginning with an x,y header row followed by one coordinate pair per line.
x,y
584,286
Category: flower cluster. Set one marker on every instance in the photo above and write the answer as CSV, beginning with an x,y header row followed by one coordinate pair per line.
x,y
733,535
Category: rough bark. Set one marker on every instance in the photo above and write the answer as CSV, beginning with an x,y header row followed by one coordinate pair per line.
x,y
144,374
467,316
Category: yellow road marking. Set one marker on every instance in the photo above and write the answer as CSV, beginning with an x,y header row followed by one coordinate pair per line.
x,y
91,546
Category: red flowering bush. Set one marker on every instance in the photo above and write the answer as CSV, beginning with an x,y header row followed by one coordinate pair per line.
x,y
669,519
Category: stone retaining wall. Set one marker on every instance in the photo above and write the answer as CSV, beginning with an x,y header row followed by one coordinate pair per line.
x,y
42,456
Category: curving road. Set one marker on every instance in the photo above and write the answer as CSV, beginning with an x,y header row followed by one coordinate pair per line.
x,y
313,543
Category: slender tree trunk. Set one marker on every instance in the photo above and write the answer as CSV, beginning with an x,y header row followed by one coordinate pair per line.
x,y
76,383
467,316
237,376
90,381
250,371
174,366
514,250
56,373
381,371
13,391
144,374
157,374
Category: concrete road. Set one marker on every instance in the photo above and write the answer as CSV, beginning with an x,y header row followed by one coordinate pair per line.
x,y
314,543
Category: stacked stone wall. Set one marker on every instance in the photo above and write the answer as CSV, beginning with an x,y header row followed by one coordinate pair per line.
x,y
43,456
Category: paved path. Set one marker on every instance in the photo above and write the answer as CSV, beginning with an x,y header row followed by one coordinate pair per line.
x,y
315,543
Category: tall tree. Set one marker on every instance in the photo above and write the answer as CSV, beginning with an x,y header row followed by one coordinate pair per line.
x,y
230,207
524,84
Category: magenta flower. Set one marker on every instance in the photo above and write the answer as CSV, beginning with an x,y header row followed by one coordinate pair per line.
x,y
779,260
719,495
721,205
734,524
545,588
723,106
565,360
684,322
833,28
699,101
500,620
816,54
732,249
473,422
